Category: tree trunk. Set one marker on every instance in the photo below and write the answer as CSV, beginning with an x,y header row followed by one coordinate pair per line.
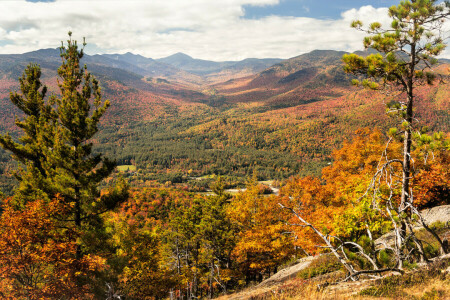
x,y
419,245
178,256
341,259
78,219
405,197
211,280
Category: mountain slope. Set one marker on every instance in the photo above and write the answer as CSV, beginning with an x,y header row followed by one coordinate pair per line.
x,y
282,121
309,77
149,67
213,72
118,80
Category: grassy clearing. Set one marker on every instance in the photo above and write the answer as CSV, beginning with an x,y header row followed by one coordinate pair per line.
x,y
126,168
430,282
266,182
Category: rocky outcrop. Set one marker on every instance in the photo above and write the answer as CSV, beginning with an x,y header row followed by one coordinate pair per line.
x,y
289,272
435,214
431,215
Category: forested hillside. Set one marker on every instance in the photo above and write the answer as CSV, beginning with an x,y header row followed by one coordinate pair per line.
x,y
282,121
115,171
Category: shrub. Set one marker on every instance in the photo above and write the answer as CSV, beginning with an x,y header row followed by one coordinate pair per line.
x,y
324,264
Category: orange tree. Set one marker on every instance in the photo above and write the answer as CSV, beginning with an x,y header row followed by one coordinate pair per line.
x,y
263,241
38,254
323,200
337,204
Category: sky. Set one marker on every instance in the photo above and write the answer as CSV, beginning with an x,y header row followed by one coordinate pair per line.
x,y
208,29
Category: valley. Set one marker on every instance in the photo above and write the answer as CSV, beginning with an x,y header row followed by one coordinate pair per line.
x,y
129,174
177,117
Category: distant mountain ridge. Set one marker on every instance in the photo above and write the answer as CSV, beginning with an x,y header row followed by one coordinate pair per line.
x,y
178,67
204,67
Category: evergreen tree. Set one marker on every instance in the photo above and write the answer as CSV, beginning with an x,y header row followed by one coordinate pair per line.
x,y
219,237
38,126
78,171
56,147
406,54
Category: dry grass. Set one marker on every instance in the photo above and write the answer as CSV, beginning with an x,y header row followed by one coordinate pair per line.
x,y
433,289
429,283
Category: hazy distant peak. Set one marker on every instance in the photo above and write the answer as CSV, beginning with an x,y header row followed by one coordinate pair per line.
x,y
129,58
177,59
325,53
48,52
179,55
130,54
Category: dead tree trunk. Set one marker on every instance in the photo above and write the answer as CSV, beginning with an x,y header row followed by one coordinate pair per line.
x,y
333,250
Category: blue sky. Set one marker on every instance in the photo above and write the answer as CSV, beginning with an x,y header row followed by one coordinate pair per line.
x,y
208,29
40,1
320,9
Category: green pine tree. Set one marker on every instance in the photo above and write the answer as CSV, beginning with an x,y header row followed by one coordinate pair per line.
x,y
406,54
79,172
38,126
55,150
219,237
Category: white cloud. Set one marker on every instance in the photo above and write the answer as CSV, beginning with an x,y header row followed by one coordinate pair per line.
x,y
201,28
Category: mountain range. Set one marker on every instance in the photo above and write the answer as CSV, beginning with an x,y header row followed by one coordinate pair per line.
x,y
179,115
179,67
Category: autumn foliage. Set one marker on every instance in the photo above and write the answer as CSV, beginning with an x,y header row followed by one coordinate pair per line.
x,y
61,237
168,241
339,202
37,254
263,241
172,238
